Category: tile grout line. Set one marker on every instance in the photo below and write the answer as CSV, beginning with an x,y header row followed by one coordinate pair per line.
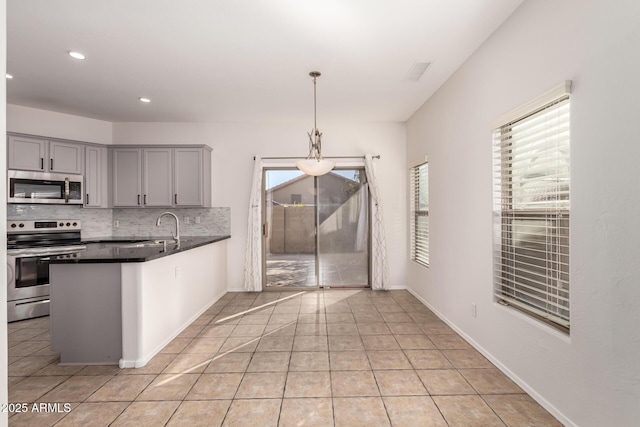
x,y
244,304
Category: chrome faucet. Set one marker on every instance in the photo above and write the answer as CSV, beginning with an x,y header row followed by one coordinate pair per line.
x,y
177,235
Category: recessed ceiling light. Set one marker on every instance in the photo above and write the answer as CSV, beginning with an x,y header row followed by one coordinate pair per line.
x,y
145,100
8,76
76,55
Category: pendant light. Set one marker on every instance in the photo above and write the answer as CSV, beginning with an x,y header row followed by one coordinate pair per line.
x,y
314,164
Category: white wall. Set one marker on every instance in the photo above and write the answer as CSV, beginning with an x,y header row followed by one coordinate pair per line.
x,y
4,360
235,144
591,378
57,125
162,297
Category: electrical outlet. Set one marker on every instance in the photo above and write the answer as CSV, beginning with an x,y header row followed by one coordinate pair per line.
x,y
187,220
116,224
177,272
198,219
474,309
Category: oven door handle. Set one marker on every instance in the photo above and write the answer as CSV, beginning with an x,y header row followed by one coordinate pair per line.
x,y
26,256
66,190
44,256
17,273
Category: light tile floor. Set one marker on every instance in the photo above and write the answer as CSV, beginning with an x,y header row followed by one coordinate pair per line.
x,y
319,358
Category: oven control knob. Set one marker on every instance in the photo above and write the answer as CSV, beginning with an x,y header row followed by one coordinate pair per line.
x,y
14,225
61,224
75,224
21,225
68,224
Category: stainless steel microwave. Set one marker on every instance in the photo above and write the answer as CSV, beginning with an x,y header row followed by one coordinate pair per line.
x,y
40,187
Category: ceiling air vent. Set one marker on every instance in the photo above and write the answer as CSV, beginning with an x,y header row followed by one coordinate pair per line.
x,y
416,71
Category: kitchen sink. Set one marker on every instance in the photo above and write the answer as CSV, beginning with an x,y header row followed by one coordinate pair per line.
x,y
150,244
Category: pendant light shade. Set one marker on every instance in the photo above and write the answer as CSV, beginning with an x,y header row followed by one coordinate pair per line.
x,y
315,164
315,167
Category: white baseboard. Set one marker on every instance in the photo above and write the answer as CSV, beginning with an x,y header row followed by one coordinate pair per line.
x,y
142,361
516,379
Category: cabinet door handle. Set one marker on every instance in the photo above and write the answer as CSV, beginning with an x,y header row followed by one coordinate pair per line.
x,y
87,197
138,200
145,199
42,163
175,199
51,166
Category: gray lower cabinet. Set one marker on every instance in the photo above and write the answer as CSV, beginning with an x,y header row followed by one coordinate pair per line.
x,y
95,177
86,313
166,176
40,154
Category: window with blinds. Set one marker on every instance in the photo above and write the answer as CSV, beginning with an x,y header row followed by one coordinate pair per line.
x,y
532,204
419,211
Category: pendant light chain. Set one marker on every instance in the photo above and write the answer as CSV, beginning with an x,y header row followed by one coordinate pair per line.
x,y
315,137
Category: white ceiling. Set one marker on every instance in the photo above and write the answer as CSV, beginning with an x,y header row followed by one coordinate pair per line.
x,y
239,60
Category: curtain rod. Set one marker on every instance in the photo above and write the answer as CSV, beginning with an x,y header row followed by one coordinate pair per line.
x,y
326,157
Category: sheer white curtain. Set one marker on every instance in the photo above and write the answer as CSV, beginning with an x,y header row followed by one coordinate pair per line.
x,y
362,232
379,264
253,260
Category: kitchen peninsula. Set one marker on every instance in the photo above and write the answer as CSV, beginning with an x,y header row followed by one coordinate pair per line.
x,y
121,301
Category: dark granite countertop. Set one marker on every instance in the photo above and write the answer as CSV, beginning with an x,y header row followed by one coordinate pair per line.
x,y
121,239
119,249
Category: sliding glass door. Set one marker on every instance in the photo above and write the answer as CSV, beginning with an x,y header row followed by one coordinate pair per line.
x,y
289,229
316,229
343,229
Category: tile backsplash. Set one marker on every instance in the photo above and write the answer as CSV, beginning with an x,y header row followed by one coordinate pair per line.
x,y
130,222
193,222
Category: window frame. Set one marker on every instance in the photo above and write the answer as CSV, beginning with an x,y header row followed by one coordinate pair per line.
x,y
526,277
419,241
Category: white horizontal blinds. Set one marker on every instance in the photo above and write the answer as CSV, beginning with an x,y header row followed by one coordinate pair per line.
x,y
531,193
419,187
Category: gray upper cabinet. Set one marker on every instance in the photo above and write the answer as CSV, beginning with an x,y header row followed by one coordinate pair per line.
x,y
27,153
161,176
121,176
157,173
95,177
192,177
38,154
127,177
65,157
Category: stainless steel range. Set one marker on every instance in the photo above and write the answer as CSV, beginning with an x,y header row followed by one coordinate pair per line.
x,y
29,246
